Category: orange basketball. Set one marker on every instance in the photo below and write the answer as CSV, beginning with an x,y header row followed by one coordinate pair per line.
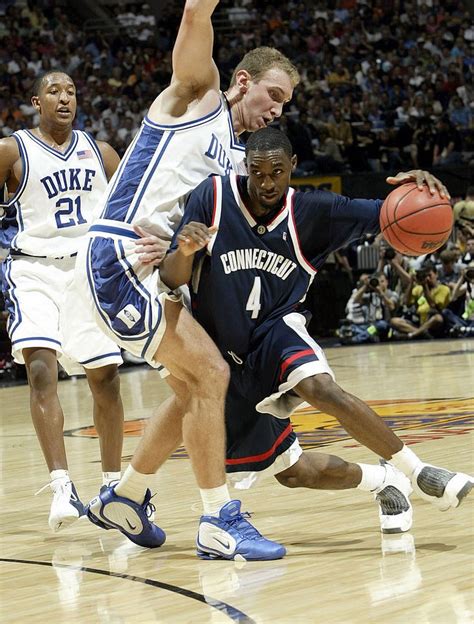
x,y
415,222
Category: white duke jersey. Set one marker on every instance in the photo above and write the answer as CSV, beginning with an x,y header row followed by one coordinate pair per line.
x,y
58,195
164,163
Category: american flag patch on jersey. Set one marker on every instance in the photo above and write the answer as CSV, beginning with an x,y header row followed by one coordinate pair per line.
x,y
84,154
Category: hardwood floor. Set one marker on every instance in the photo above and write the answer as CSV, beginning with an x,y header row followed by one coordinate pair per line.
x,y
339,569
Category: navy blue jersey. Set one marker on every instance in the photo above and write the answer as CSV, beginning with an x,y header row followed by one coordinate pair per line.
x,y
253,273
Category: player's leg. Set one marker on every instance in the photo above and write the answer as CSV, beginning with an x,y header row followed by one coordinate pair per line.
x,y
104,383
84,342
191,357
443,488
46,412
48,420
389,487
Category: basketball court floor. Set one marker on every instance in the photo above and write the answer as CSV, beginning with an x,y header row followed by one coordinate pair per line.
x,y
339,569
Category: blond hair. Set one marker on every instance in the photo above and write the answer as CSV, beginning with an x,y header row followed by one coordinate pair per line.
x,y
260,60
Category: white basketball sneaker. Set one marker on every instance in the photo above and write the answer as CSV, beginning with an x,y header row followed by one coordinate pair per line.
x,y
442,488
66,507
395,510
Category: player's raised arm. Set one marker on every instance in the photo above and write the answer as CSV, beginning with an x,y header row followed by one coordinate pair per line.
x,y
193,64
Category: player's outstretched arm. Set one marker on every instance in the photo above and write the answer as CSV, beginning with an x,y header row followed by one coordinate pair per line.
x,y
193,65
176,269
110,157
420,178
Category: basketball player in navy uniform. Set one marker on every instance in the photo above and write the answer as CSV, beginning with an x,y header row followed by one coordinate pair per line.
x,y
54,177
249,247
189,132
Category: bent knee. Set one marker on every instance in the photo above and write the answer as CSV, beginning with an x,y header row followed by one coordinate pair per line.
x,y
320,390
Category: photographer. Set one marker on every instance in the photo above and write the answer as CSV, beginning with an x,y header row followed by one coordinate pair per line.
x,y
462,325
394,266
424,303
369,310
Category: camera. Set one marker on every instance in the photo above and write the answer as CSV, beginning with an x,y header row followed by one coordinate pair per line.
x,y
389,254
470,274
421,275
373,281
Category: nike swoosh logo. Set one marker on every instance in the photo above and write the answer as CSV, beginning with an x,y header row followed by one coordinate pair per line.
x,y
130,525
225,544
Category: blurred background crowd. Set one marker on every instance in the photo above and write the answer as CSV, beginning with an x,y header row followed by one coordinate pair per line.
x,y
386,86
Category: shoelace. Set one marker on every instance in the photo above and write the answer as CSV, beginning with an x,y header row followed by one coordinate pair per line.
x,y
243,526
60,486
147,505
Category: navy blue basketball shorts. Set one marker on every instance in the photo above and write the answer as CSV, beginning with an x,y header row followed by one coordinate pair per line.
x,y
260,438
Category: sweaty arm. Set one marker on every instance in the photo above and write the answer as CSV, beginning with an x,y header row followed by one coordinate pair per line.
x,y
110,157
190,239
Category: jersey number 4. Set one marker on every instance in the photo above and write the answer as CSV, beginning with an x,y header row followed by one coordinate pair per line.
x,y
253,302
70,213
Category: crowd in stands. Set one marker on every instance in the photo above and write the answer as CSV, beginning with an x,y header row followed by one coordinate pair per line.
x,y
386,85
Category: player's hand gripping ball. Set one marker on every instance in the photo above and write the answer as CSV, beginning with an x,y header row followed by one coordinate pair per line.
x,y
415,222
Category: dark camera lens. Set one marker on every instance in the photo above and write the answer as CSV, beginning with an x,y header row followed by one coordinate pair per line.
x,y
420,276
374,282
389,254
470,274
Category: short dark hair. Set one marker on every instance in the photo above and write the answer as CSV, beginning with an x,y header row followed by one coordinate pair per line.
x,y
268,139
39,81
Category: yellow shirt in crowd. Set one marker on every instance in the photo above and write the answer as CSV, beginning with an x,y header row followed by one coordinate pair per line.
x,y
441,296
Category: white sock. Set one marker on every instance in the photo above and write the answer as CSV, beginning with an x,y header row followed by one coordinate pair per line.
x,y
406,461
372,477
133,484
214,499
110,477
59,474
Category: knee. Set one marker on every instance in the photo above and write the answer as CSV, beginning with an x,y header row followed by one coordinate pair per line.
x,y
104,381
215,374
321,391
41,377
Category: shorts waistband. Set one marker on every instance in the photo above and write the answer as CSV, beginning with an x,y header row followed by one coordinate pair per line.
x,y
113,228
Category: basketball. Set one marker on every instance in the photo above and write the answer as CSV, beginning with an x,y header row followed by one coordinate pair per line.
x,y
415,222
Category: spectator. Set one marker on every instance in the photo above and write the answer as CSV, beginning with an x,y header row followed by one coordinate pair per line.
x,y
369,310
423,304
464,209
448,270
462,324
447,144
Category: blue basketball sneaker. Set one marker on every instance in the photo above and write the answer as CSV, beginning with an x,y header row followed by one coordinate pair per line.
x,y
231,536
110,511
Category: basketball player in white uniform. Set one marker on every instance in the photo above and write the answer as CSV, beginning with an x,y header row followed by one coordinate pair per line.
x,y
189,133
54,177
